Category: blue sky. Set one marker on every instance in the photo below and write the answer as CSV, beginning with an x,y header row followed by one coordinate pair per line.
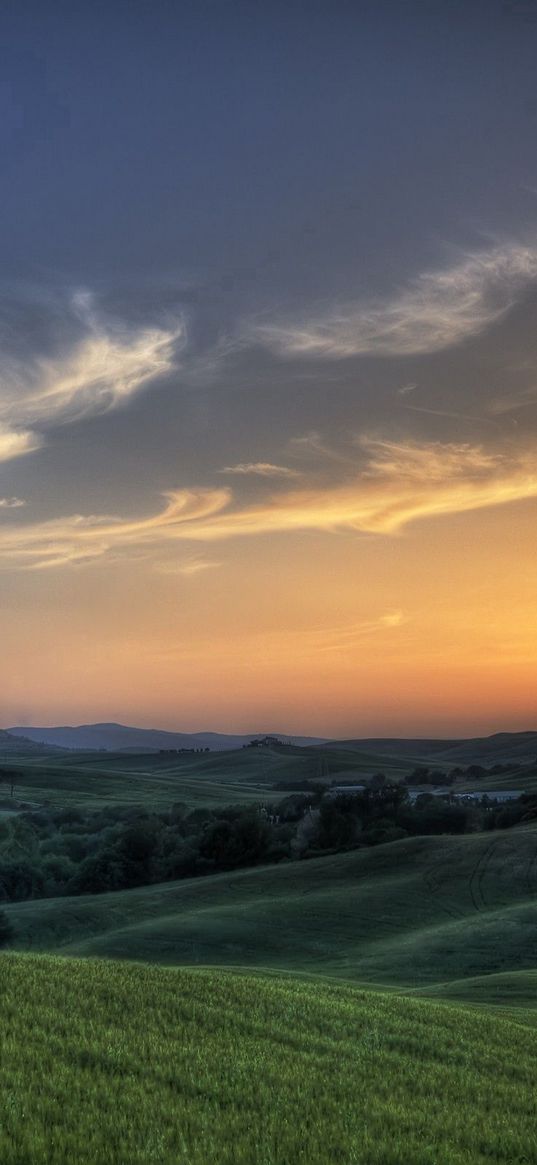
x,y
267,296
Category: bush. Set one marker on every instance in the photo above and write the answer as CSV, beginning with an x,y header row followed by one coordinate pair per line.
x,y
230,844
6,930
20,880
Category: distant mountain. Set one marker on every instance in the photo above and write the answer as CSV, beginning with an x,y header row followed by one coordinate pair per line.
x,y
120,738
500,748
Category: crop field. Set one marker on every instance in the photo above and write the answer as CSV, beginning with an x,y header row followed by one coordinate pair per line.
x,y
106,1062
420,912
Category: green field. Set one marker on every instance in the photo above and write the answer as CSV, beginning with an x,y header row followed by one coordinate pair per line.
x,y
201,780
242,776
420,912
118,1063
371,1007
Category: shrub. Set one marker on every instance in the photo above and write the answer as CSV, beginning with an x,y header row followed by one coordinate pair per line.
x,y
6,930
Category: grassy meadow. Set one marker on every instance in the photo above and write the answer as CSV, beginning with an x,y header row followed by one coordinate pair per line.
x,y
369,1007
415,913
126,1063
243,776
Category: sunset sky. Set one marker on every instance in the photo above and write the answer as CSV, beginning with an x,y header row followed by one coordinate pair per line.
x,y
268,365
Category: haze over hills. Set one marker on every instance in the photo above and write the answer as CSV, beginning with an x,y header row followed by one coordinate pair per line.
x,y
500,747
121,738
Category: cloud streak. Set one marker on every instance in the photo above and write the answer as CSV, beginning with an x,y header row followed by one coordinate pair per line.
x,y
260,469
102,371
518,399
397,483
436,310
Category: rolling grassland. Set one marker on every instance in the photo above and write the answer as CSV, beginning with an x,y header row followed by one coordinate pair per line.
x,y
203,780
200,780
420,912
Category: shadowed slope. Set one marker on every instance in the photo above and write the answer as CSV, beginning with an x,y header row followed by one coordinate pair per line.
x,y
418,911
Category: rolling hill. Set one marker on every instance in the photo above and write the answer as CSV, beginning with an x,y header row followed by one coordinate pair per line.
x,y
242,776
420,912
500,748
21,746
120,738
127,1063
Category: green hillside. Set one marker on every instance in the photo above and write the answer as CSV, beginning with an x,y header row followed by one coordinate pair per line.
x,y
512,990
21,747
242,776
127,1063
422,911
501,747
156,780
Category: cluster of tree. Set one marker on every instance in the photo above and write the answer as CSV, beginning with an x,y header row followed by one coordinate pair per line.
x,y
75,851
517,812
422,775
386,814
7,932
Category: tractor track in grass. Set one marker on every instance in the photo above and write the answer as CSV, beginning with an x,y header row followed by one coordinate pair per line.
x,y
531,873
433,884
477,878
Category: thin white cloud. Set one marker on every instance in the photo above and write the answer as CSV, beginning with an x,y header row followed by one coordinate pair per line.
x,y
437,310
95,375
11,503
17,442
260,469
452,413
398,483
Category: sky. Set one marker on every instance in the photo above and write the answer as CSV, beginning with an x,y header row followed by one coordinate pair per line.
x,y
268,365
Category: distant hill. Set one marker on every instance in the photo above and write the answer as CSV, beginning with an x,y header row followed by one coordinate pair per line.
x,y
397,746
19,746
121,738
501,748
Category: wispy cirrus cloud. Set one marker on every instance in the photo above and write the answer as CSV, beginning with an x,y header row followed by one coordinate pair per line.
x,y
340,639
436,310
187,567
396,483
99,371
260,469
517,399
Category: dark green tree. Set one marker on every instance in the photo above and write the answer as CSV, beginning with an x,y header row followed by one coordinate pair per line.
x,y
6,930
